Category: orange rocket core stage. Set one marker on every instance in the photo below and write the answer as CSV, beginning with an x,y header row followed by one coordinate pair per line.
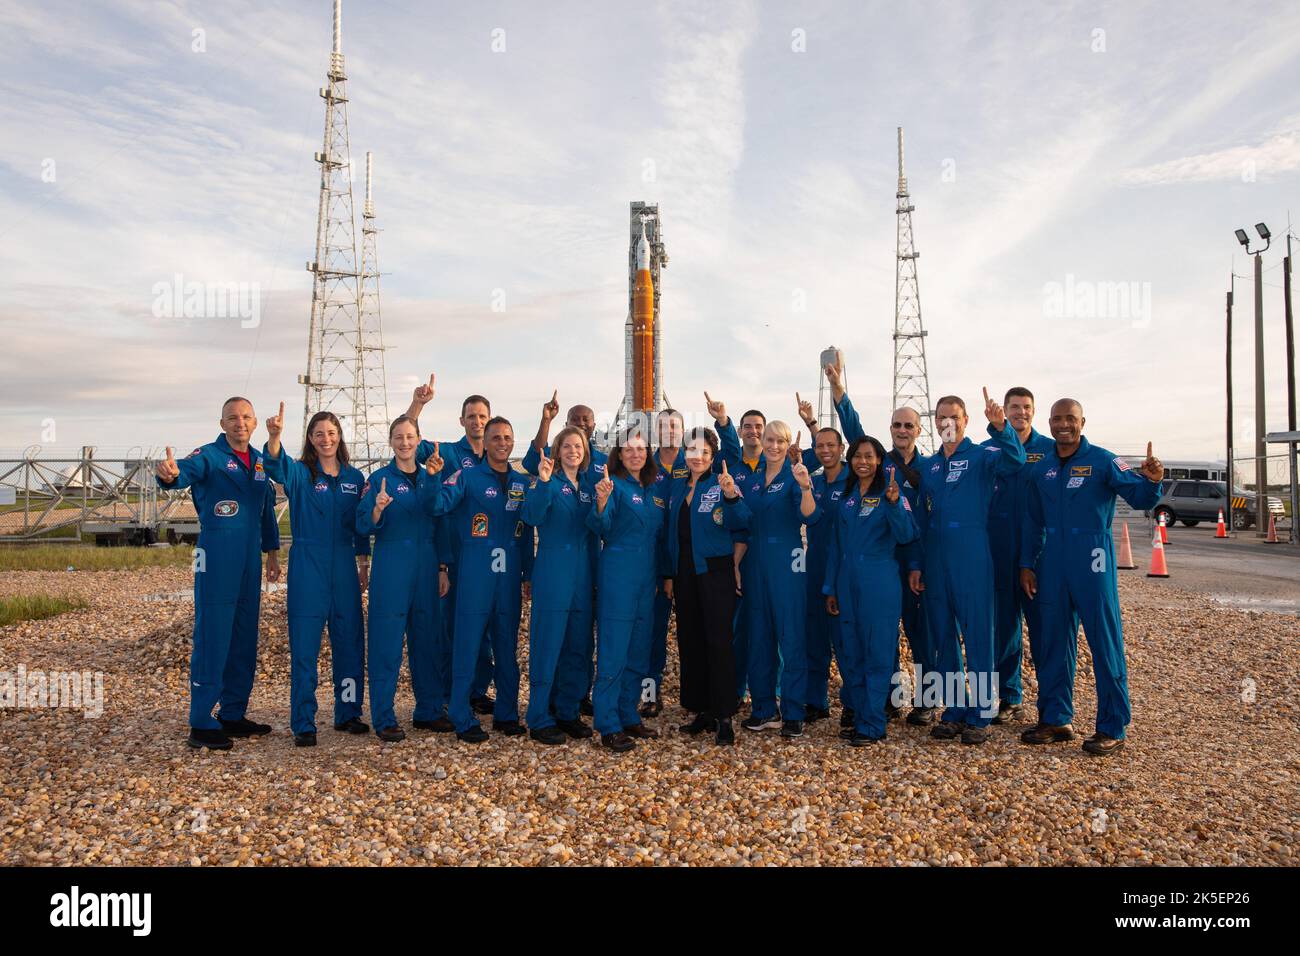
x,y
643,331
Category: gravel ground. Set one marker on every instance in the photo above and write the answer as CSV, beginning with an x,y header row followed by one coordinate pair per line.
x,y
1209,775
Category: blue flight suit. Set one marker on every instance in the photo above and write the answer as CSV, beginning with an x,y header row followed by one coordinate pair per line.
x,y
732,452
773,579
663,605
236,508
823,628
456,455
323,586
560,630
631,529
862,573
486,509
958,568
909,559
1066,539
404,598
598,461
1010,602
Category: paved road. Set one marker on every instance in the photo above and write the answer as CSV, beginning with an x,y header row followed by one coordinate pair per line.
x,y
1241,571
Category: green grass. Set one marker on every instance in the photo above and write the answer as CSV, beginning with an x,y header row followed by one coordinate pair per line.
x,y
52,557
34,607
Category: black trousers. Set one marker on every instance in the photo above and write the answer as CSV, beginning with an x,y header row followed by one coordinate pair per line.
x,y
706,604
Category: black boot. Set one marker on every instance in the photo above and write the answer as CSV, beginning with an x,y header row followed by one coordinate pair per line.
x,y
243,727
726,735
352,726
699,725
211,739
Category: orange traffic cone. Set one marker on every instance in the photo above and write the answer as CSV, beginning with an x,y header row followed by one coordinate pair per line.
x,y
1158,567
1272,530
1125,562
1164,535
1222,530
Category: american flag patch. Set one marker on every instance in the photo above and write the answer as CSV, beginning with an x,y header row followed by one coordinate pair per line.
x,y
1121,464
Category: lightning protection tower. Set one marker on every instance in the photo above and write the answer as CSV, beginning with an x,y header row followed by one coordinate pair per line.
x,y
911,376
340,349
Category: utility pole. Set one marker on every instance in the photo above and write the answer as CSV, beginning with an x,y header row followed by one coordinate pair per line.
x,y
1261,459
1229,474
1290,383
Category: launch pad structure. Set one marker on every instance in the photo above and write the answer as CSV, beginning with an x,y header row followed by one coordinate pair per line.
x,y
643,392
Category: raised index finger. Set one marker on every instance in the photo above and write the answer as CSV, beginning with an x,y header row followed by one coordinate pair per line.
x,y
1148,449
281,416
987,400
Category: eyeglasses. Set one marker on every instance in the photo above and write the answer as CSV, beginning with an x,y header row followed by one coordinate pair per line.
x,y
910,426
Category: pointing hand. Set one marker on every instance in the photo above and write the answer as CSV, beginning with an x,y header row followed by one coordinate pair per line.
x,y
167,469
1152,467
993,411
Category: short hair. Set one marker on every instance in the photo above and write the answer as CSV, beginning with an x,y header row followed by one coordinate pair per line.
x,y
781,430
498,420
475,400
232,399
708,434
877,480
1018,392
952,400
649,471
838,437
403,418
908,408
754,411
582,436
1068,401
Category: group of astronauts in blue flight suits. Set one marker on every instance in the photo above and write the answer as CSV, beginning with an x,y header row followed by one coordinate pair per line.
x,y
776,560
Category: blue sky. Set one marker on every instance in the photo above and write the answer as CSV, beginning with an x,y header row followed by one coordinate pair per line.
x,y
1039,151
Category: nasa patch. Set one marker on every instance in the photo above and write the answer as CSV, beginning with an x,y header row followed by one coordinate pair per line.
x,y
226,509
565,490
232,465
478,526
467,463
637,499
935,467
321,486
489,492
1049,474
